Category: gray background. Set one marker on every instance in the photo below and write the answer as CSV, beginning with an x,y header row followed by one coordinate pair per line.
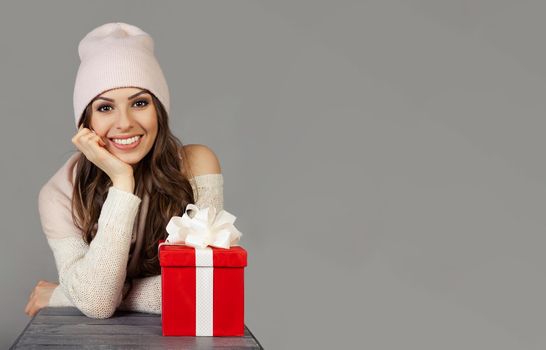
x,y
384,159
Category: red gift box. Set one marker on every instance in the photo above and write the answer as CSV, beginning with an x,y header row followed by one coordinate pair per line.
x,y
202,290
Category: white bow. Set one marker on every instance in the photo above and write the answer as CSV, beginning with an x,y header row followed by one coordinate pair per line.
x,y
204,229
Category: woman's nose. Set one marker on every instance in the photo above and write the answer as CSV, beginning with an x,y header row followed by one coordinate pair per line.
x,y
124,120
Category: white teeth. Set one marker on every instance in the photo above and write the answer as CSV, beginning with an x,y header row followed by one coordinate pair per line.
x,y
126,141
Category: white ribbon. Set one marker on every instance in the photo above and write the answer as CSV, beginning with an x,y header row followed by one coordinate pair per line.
x,y
206,228
204,292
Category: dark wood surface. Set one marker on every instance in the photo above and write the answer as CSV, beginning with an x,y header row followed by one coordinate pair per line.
x,y
68,328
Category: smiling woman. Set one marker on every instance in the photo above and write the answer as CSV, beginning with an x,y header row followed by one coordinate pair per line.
x,y
105,210
127,122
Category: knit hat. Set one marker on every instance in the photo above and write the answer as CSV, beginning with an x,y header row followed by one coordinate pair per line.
x,y
117,55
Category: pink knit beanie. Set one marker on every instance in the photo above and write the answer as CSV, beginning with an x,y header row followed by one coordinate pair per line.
x,y
117,55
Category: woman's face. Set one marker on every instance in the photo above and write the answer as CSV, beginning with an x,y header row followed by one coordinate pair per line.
x,y
126,119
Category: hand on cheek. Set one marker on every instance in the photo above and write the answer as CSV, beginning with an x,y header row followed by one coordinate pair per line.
x,y
100,140
93,147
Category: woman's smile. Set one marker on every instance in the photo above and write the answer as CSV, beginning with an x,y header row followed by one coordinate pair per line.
x,y
126,144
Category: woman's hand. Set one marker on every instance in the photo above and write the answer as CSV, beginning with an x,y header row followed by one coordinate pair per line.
x,y
93,147
39,297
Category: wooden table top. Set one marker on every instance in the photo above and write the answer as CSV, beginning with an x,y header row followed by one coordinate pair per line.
x,y
67,327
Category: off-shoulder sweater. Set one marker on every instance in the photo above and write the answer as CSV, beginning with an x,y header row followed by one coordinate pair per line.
x,y
93,277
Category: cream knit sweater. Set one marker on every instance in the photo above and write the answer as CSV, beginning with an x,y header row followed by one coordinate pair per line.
x,y
92,277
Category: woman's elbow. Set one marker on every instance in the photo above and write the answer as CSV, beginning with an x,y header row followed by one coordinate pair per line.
x,y
98,311
99,308
95,304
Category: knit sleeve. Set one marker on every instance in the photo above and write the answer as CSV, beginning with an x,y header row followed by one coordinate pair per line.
x,y
91,276
209,190
145,294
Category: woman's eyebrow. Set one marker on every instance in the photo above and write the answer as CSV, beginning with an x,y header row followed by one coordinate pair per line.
x,y
128,98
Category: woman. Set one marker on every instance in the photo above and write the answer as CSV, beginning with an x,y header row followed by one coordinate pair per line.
x,y
106,208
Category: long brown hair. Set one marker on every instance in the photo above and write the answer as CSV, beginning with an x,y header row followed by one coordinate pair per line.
x,y
159,174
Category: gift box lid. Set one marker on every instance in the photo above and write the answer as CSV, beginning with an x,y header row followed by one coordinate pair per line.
x,y
183,255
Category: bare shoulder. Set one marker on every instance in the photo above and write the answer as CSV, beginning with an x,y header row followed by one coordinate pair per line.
x,y
200,159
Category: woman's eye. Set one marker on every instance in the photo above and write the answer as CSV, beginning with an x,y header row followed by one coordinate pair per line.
x,y
100,109
142,101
